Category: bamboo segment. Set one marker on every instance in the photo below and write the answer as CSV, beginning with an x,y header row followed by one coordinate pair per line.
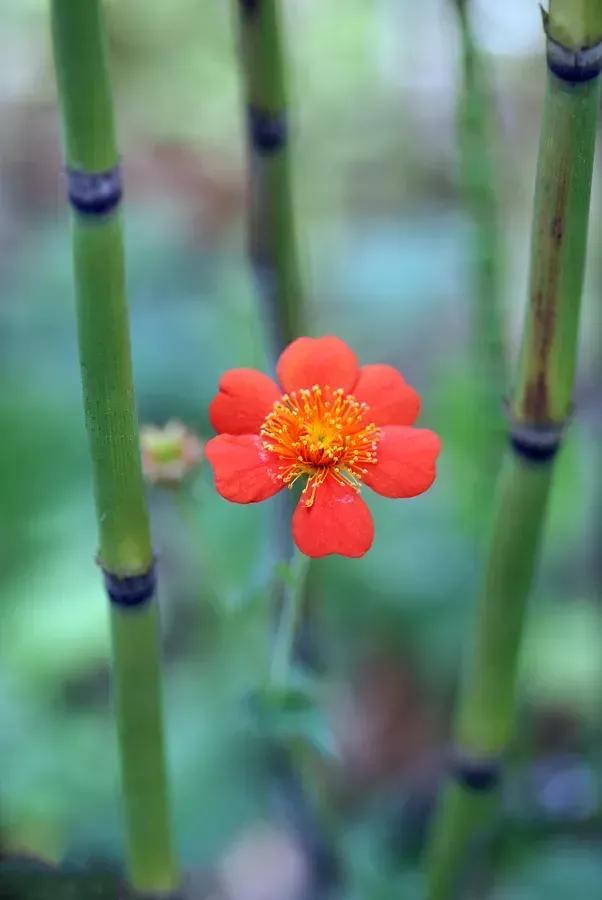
x,y
478,186
137,698
272,238
486,709
575,23
271,230
103,334
479,190
540,406
125,552
549,351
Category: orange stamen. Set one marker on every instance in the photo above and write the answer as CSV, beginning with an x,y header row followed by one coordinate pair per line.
x,y
320,432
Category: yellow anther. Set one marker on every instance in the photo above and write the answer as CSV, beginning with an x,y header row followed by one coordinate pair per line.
x,y
315,434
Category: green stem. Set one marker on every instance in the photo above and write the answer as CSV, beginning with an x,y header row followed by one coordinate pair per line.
x,y
486,709
549,352
309,813
575,23
478,182
539,409
290,614
137,698
124,536
479,195
272,238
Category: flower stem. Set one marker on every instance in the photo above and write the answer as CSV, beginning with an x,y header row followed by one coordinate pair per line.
x,y
125,552
292,767
272,238
539,409
290,614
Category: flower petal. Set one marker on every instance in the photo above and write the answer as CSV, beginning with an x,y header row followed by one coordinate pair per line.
x,y
405,465
338,522
245,398
391,399
244,471
325,360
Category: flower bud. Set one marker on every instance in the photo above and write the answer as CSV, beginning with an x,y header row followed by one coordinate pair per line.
x,y
169,453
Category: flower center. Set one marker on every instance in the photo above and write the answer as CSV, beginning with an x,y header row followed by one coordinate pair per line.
x,y
320,432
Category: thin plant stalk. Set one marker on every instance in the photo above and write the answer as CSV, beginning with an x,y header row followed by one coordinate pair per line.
x,y
307,811
477,176
290,613
125,553
271,227
539,408
272,237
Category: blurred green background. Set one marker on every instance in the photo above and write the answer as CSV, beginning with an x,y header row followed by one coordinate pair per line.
x,y
386,250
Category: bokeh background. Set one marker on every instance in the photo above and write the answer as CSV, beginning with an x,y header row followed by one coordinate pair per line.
x,y
386,248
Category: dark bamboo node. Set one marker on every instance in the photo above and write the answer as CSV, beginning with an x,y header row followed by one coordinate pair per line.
x,y
94,193
574,66
249,7
476,773
130,591
536,442
268,131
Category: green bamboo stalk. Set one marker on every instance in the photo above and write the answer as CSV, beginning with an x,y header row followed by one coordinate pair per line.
x,y
272,238
478,183
125,552
539,409
477,175
271,230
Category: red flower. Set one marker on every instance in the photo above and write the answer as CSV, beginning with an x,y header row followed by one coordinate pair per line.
x,y
337,425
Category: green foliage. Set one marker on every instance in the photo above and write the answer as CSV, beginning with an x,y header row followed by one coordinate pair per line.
x,y
293,716
562,869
